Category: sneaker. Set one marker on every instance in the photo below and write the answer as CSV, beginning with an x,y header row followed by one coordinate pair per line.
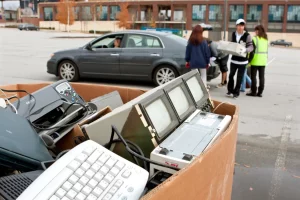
x,y
208,87
259,95
235,96
220,85
229,94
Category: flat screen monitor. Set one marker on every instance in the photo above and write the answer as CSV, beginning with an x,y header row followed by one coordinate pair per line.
x,y
180,98
196,88
160,114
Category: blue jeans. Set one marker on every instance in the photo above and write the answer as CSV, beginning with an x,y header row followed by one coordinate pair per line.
x,y
247,79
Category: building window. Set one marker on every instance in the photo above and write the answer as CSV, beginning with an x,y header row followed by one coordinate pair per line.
x,y
276,13
48,14
254,13
101,15
113,12
76,13
179,15
215,13
293,14
198,13
86,13
236,12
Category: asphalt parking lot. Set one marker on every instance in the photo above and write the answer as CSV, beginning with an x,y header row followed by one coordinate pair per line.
x,y
268,147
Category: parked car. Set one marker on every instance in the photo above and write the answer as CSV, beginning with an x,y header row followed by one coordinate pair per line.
x,y
144,55
281,43
28,27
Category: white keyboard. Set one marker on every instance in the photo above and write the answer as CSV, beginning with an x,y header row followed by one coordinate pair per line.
x,y
89,172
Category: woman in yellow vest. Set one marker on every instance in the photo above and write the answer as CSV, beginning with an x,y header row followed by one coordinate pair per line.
x,y
259,61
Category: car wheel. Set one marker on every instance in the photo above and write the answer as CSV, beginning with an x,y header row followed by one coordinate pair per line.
x,y
272,44
287,45
68,70
27,29
164,74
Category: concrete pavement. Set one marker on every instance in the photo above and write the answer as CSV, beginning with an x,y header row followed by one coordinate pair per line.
x,y
268,146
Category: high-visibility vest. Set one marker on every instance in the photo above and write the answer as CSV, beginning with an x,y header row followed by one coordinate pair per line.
x,y
261,52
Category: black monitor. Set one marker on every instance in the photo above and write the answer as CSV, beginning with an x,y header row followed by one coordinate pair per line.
x,y
196,88
181,99
160,114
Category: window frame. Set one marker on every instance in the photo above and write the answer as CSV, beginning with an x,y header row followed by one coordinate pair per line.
x,y
142,35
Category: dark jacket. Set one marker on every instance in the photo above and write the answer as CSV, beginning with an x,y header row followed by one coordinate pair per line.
x,y
197,55
246,39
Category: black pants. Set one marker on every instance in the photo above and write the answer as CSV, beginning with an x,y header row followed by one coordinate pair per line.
x,y
261,75
240,73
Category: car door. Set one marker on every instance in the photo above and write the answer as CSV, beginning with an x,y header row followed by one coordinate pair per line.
x,y
102,59
140,54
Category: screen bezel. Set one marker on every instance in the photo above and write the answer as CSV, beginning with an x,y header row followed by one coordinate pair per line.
x,y
190,99
205,97
160,94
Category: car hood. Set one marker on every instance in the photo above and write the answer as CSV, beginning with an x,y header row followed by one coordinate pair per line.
x,y
69,50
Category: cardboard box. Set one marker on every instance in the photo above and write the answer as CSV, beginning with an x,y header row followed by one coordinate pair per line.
x,y
209,177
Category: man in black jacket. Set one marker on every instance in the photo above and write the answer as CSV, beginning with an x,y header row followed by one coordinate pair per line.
x,y
239,63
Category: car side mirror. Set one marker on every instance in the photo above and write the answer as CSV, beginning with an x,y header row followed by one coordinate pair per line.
x,y
89,47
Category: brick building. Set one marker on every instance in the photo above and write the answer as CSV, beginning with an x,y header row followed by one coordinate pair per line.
x,y
276,16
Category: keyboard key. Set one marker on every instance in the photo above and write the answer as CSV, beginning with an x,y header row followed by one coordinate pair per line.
x,y
104,170
65,198
83,180
119,183
81,157
73,179
93,183
86,190
88,151
71,194
109,178
98,176
97,191
113,190
103,158
54,198
77,187
110,163
85,166
107,197
95,167
119,165
60,193
114,171
80,196
126,174
67,186
91,197
74,165
103,185
92,159
79,172
90,174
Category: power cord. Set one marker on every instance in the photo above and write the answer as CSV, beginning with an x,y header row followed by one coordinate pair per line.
x,y
8,101
138,155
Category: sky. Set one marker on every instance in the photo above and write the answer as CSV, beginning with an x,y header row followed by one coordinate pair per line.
x,y
10,5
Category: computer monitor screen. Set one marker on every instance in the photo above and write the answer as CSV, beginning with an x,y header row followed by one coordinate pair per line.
x,y
195,88
180,98
159,115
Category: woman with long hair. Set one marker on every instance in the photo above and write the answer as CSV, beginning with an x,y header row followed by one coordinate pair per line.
x,y
197,54
259,61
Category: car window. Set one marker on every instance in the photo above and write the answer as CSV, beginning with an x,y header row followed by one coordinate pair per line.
x,y
106,42
142,41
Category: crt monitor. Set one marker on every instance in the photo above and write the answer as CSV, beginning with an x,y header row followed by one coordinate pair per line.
x,y
160,114
196,87
180,98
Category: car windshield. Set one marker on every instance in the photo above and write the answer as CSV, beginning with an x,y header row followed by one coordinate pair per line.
x,y
178,39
